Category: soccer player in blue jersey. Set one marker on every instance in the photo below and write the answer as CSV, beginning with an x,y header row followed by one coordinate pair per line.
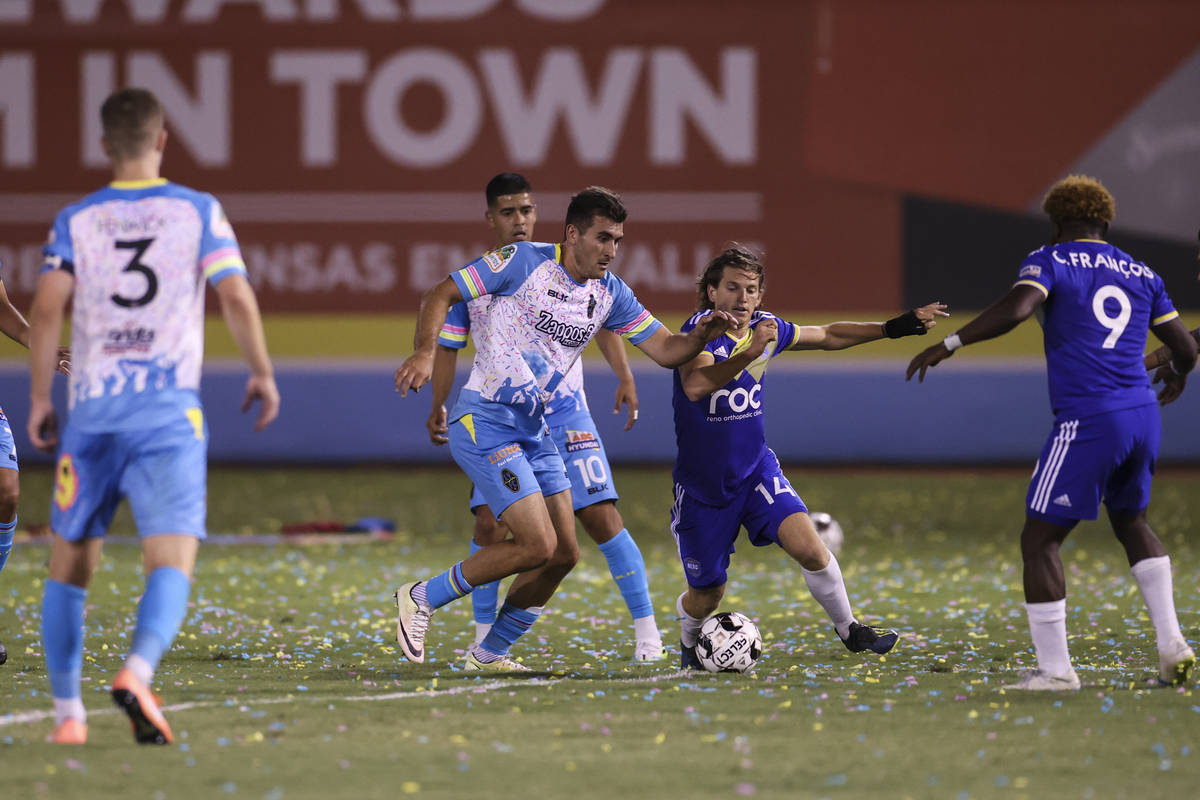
x,y
512,215
133,259
547,302
1097,304
725,476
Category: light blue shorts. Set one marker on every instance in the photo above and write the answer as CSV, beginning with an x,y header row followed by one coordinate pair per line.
x,y
574,434
8,448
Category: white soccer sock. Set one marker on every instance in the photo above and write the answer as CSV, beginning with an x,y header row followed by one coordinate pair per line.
x,y
140,668
70,708
1153,576
1048,626
689,627
646,629
481,631
828,588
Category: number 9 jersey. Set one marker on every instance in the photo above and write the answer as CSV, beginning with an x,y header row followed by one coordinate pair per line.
x,y
140,252
1100,304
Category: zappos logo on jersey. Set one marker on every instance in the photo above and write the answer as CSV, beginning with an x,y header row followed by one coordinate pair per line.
x,y
738,400
568,335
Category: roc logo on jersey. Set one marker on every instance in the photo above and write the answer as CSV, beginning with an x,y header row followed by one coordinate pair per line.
x,y
66,482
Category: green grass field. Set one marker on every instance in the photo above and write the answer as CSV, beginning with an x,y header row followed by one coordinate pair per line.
x,y
287,683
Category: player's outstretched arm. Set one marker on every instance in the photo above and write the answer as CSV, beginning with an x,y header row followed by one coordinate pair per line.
x,y
613,348
239,306
16,327
1001,317
49,305
1181,347
417,369
702,376
840,335
444,361
673,350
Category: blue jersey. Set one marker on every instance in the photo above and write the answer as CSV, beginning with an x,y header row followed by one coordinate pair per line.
x,y
538,321
1100,304
140,252
721,437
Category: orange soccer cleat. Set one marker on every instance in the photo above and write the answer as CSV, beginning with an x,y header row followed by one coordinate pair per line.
x,y
71,731
142,707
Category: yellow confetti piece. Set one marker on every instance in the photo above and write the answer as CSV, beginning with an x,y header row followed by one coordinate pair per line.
x,y
660,738
410,787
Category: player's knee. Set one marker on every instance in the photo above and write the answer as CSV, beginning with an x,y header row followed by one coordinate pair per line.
x,y
536,553
10,493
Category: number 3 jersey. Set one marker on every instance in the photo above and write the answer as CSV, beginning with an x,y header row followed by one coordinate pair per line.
x,y
140,252
1100,303
721,436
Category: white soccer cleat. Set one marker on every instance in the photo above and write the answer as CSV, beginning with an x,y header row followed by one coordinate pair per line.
x,y
505,664
412,621
1035,680
1175,664
647,651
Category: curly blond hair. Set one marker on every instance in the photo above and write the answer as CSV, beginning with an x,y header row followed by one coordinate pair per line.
x,y
1079,197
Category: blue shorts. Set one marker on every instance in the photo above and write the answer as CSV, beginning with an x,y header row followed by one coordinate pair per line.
x,y
1109,457
163,471
705,534
506,455
8,448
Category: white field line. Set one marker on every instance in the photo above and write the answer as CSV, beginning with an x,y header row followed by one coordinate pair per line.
x,y
24,717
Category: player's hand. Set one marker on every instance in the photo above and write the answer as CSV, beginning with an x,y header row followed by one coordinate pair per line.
x,y
627,394
714,324
1173,384
929,357
928,314
263,389
63,364
414,373
765,332
43,425
439,430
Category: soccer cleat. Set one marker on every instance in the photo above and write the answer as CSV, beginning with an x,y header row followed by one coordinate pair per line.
x,y
649,650
1175,664
864,637
3,653
505,664
688,658
412,621
71,731
141,706
1035,680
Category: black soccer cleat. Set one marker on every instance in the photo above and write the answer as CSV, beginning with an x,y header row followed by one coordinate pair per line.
x,y
864,637
3,653
687,657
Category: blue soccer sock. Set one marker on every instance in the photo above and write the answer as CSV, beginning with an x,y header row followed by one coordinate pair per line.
x,y
62,636
484,597
447,587
160,614
6,540
629,571
511,624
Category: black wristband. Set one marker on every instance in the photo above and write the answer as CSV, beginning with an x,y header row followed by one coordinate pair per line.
x,y
906,324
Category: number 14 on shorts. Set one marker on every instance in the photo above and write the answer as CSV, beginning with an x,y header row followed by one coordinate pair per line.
x,y
781,487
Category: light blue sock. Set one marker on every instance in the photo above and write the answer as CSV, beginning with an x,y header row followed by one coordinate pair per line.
x,y
160,613
62,636
511,624
6,540
629,571
449,586
484,597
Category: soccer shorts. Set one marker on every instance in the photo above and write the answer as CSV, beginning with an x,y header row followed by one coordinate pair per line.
x,y
506,455
163,471
574,434
8,448
705,533
1109,457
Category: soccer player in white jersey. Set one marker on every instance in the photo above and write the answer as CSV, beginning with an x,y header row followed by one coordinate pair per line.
x,y
133,258
726,477
1097,304
512,215
547,303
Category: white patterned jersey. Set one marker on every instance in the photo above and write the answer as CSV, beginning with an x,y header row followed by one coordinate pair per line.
x,y
140,252
537,322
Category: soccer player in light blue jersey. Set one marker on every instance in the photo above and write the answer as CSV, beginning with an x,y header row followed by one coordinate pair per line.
x,y
512,215
133,259
1097,304
726,477
547,302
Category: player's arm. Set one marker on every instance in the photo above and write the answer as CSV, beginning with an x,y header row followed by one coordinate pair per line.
x,y
703,375
840,335
1160,357
239,306
1181,346
613,348
49,305
673,350
998,319
12,324
444,361
416,371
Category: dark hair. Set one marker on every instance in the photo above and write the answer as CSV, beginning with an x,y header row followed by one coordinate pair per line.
x,y
592,202
131,119
505,183
736,256
1079,198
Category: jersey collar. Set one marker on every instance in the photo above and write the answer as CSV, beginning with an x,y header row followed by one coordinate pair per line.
x,y
145,183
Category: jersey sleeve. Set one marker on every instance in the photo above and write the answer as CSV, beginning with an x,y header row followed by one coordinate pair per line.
x,y
497,271
220,255
789,335
1037,270
58,252
456,327
1161,308
628,317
